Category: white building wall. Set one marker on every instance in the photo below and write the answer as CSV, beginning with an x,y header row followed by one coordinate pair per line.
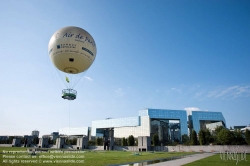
x,y
142,130
212,126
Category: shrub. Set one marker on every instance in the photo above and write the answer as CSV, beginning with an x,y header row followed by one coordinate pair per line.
x,y
247,135
91,143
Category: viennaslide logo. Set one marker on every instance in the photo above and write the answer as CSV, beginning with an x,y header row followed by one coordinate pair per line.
x,y
235,155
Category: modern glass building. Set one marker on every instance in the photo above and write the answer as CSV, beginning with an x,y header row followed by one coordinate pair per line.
x,y
200,119
168,124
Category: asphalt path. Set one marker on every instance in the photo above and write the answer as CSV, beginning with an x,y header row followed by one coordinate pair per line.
x,y
185,160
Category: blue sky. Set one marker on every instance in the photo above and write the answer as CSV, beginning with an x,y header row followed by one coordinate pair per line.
x,y
166,54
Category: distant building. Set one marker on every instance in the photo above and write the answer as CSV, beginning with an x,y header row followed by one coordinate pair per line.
x,y
18,136
47,136
55,133
52,136
239,127
244,129
4,137
80,131
28,136
35,133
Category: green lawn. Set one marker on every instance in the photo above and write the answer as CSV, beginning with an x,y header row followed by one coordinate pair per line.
x,y
91,158
215,160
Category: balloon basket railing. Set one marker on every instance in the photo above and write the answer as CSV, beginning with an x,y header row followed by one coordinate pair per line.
x,y
69,94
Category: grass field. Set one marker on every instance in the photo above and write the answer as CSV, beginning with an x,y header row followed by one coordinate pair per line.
x,y
215,160
91,158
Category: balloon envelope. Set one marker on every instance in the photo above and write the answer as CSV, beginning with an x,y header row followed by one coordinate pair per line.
x,y
72,50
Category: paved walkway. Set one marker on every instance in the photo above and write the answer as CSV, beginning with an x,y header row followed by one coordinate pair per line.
x,y
186,160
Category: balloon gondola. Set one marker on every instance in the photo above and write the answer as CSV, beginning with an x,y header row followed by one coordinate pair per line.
x,y
69,94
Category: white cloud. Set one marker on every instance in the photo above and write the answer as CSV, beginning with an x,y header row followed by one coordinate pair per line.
x,y
202,93
190,109
227,91
88,78
230,92
242,91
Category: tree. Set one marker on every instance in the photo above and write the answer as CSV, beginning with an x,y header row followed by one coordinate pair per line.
x,y
214,138
99,141
238,138
72,141
225,137
124,142
202,138
185,139
156,140
67,141
208,137
247,135
218,129
131,140
194,138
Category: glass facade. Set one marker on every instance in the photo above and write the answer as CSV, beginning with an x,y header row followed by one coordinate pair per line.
x,y
160,127
180,115
169,125
148,123
201,118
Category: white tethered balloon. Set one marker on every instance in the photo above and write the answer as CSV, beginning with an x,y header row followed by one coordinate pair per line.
x,y
72,50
